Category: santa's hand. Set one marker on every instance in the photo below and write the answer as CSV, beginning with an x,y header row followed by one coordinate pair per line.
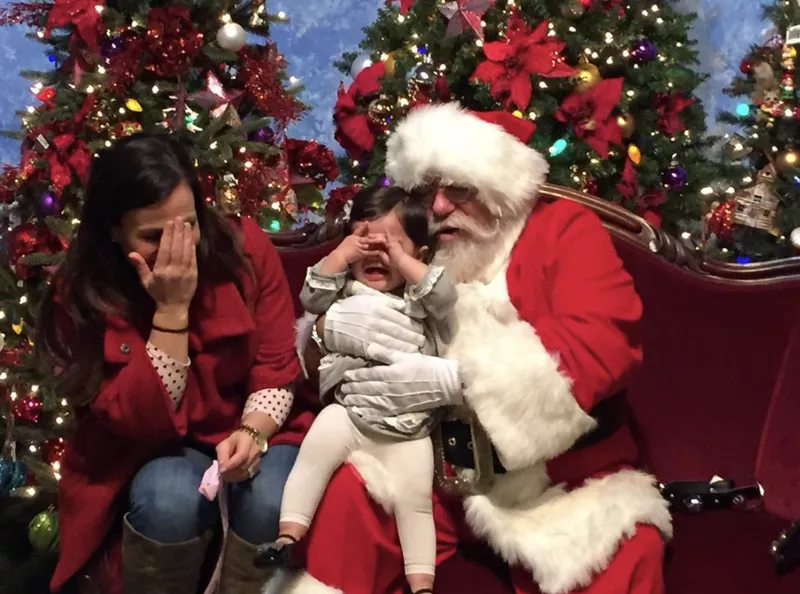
x,y
406,383
352,324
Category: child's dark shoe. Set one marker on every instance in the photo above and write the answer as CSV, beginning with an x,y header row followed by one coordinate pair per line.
x,y
275,554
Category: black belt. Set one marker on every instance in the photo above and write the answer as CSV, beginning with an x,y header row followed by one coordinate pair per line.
x,y
457,437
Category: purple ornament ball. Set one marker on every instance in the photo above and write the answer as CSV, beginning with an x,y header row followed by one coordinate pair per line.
x,y
111,47
264,135
49,204
384,181
675,178
643,50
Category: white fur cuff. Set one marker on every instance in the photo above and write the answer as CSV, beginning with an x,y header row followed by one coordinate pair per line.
x,y
513,384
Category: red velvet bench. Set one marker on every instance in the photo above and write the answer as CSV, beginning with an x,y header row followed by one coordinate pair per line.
x,y
719,393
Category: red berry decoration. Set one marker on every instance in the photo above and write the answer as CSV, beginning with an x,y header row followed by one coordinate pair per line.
x,y
28,409
746,66
53,450
46,95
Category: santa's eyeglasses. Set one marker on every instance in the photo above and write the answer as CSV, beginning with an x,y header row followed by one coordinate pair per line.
x,y
454,194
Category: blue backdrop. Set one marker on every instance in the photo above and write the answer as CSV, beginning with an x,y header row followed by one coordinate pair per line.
x,y
322,29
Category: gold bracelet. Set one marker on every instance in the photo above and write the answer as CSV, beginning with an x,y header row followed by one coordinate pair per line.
x,y
260,440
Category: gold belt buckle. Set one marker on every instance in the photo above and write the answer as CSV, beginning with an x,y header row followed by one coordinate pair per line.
x,y
474,482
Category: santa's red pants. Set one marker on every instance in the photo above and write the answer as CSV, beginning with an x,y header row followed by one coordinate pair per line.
x,y
353,546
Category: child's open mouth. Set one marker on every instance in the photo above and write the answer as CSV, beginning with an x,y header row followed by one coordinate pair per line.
x,y
375,273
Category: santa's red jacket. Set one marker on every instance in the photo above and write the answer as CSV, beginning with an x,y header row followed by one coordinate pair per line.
x,y
546,334
238,346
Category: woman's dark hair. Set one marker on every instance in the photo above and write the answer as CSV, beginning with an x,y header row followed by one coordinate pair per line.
x,y
96,279
377,201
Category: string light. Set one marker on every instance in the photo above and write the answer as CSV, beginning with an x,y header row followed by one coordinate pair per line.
x,y
226,18
40,34
282,15
747,179
31,109
134,23
108,144
155,89
33,449
59,421
23,300
400,18
13,395
90,89
30,492
542,85
34,389
707,191
2,315
4,377
101,70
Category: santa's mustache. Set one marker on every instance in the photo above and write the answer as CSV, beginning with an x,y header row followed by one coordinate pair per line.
x,y
461,222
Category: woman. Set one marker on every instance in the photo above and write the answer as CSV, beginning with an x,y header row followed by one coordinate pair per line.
x,y
174,332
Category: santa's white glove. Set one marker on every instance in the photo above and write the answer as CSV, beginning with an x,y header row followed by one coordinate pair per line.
x,y
352,324
406,383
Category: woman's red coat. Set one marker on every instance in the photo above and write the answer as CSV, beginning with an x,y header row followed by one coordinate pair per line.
x,y
237,347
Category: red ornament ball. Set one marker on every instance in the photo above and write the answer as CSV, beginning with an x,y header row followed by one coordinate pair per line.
x,y
720,220
46,95
28,409
746,66
53,450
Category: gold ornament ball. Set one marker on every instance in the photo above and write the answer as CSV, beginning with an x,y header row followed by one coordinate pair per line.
x,y
380,109
588,75
133,105
43,531
626,124
788,159
228,199
389,63
572,9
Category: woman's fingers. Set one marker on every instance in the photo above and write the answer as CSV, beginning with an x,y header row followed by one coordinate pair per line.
x,y
188,245
142,269
165,246
176,253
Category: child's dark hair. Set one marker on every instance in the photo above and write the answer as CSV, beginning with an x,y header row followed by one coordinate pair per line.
x,y
377,201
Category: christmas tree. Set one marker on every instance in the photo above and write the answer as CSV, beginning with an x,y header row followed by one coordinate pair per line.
x,y
607,85
757,217
203,70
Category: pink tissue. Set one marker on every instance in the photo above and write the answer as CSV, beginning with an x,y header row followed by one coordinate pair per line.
x,y
209,486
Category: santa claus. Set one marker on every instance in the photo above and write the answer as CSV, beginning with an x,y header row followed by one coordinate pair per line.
x,y
544,340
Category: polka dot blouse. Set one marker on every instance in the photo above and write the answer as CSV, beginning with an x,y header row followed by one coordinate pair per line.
x,y
276,402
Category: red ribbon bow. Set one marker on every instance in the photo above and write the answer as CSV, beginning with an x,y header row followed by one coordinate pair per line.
x,y
669,107
67,154
355,132
645,204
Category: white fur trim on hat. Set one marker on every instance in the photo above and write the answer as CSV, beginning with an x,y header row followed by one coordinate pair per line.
x,y
447,142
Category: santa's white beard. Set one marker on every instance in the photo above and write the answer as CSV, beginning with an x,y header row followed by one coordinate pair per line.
x,y
468,255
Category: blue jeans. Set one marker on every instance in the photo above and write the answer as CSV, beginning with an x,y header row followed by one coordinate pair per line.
x,y
165,505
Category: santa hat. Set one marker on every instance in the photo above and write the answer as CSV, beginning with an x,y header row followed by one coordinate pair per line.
x,y
486,151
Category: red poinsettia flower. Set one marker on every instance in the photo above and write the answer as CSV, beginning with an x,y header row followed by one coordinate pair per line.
x,y
645,204
589,112
81,14
355,132
669,107
510,63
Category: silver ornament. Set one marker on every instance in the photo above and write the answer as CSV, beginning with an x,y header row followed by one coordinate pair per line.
x,y
362,61
421,76
794,237
231,37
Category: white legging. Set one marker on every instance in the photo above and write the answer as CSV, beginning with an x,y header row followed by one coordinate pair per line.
x,y
329,442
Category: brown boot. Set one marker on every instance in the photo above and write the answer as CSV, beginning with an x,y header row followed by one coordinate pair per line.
x,y
239,575
149,567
